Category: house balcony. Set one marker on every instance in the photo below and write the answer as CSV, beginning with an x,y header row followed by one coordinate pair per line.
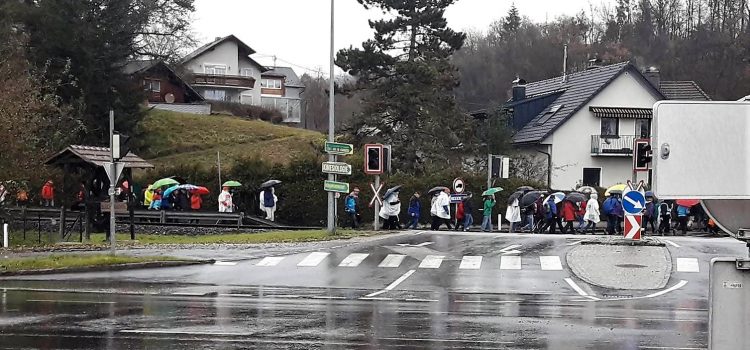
x,y
612,145
234,81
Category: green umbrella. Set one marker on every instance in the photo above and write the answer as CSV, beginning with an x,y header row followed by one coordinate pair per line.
x,y
164,182
492,191
231,184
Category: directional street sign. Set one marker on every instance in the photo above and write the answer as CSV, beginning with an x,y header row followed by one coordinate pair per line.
x,y
337,168
633,202
340,149
633,227
335,186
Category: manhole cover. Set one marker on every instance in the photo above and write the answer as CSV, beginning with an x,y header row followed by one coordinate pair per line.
x,y
631,266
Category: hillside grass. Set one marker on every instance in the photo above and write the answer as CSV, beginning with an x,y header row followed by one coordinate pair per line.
x,y
181,138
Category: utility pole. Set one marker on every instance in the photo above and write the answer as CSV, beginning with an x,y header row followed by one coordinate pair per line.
x,y
331,157
112,181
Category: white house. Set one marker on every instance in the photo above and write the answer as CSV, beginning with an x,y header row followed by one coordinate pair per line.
x,y
587,122
281,89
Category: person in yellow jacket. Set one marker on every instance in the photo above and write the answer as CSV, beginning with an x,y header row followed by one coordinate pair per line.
x,y
148,196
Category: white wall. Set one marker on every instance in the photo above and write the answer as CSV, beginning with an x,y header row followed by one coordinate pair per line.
x,y
225,53
202,108
571,150
246,63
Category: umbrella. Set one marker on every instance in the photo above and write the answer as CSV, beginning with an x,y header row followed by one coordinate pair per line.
x,y
164,182
437,189
200,190
559,196
514,196
231,184
188,187
586,190
169,191
616,189
687,202
391,191
492,191
525,188
270,183
530,198
576,197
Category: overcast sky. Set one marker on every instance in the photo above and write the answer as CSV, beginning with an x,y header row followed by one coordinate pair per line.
x,y
297,31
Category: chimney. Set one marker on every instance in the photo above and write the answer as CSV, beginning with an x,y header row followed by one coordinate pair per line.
x,y
594,63
217,38
519,89
653,76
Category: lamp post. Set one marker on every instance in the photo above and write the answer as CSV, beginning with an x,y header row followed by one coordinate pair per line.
x,y
331,158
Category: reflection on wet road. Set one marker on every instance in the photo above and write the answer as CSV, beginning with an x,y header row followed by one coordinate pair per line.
x,y
431,291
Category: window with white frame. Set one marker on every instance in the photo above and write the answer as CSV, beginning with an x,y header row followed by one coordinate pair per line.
x,y
215,95
215,69
152,85
270,83
246,72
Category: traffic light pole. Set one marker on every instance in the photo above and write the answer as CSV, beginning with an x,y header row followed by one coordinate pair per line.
x,y
376,220
112,182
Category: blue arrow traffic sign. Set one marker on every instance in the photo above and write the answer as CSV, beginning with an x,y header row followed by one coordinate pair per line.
x,y
633,202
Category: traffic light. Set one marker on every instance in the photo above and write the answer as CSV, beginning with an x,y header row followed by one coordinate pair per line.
x,y
374,159
499,166
120,146
643,155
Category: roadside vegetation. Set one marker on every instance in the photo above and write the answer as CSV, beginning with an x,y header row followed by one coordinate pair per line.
x,y
59,261
98,240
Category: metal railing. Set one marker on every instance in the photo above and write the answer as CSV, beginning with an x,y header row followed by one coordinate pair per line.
x,y
223,80
612,145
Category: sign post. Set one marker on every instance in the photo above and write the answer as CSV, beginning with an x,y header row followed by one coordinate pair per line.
x,y
633,203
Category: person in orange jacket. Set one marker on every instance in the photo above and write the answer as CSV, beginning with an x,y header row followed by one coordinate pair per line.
x,y
196,202
568,215
48,194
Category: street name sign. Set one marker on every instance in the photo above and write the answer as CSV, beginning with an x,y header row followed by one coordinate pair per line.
x,y
335,186
337,168
633,227
457,197
633,202
341,149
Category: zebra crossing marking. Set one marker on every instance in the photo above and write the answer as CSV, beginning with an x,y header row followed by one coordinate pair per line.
x,y
550,263
353,260
687,265
510,262
431,262
470,262
270,261
313,259
392,260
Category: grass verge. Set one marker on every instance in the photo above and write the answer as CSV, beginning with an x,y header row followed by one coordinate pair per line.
x,y
60,261
98,239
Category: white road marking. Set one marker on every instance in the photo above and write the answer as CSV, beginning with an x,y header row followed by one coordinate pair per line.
x,y
422,300
313,259
671,243
270,261
687,265
679,285
578,289
392,285
419,233
424,244
470,262
69,301
375,298
225,263
399,280
510,247
353,260
392,260
510,263
574,243
550,263
512,252
431,262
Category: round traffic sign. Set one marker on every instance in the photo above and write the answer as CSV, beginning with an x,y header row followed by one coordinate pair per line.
x,y
633,202
458,186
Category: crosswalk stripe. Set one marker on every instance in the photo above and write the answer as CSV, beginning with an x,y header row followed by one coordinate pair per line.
x,y
392,260
510,262
353,260
431,262
687,265
550,263
470,262
270,261
313,259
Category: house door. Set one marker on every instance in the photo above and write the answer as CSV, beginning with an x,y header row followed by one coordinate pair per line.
x,y
592,177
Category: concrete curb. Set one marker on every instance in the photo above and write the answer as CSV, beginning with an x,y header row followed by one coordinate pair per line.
x,y
116,267
591,270
645,242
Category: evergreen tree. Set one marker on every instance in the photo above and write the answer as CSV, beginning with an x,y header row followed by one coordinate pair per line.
x,y
409,79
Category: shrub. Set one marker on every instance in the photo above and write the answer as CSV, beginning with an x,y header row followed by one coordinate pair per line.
x,y
247,111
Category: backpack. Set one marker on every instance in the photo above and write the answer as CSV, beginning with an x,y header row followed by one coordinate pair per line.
x,y
664,209
609,206
268,199
22,196
546,209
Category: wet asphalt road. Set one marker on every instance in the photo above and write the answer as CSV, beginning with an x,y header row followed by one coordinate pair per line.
x,y
410,291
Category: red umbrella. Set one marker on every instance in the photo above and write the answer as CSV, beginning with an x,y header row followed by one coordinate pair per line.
x,y
200,191
687,202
